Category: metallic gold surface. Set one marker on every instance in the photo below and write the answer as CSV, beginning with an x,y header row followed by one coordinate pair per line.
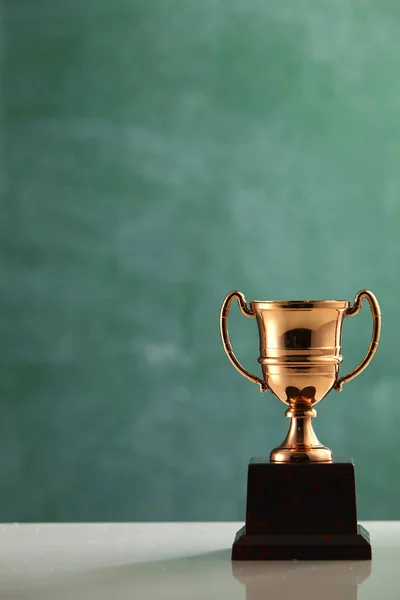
x,y
376,332
300,354
225,335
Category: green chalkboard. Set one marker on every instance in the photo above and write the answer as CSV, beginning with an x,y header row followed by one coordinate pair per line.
x,y
158,154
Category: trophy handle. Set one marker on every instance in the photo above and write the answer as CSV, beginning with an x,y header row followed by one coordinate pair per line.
x,y
376,332
223,321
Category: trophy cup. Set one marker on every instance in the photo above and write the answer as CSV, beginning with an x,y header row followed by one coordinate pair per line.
x,y
301,502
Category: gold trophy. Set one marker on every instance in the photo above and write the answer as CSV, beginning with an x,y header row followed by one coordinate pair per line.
x,y
300,354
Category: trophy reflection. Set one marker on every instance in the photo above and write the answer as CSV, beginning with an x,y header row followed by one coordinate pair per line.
x,y
300,354
305,581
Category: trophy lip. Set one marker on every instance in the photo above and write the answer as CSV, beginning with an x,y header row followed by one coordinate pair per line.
x,y
270,304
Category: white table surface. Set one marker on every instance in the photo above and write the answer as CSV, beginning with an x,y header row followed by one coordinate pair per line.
x,y
179,561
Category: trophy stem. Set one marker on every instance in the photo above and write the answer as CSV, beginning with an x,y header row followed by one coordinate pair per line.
x,y
301,443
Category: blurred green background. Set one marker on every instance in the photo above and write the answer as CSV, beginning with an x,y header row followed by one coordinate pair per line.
x,y
158,154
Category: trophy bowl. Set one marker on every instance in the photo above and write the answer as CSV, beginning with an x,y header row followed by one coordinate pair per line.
x,y
300,354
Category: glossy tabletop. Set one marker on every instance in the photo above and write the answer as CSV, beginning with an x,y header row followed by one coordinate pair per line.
x,y
179,561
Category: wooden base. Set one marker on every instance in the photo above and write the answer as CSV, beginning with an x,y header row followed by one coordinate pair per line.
x,y
302,547
303,511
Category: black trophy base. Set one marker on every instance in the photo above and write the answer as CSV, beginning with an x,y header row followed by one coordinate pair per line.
x,y
301,511
302,546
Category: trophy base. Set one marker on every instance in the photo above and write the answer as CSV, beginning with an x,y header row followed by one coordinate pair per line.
x,y
302,546
304,511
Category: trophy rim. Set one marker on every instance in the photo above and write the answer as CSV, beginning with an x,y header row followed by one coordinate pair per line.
x,y
307,304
